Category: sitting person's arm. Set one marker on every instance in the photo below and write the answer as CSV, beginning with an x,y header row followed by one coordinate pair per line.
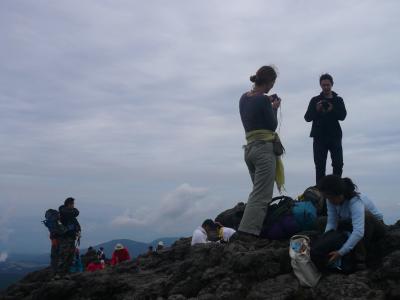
x,y
332,216
199,237
357,210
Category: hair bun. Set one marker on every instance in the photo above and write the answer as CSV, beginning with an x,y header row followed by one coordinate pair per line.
x,y
253,78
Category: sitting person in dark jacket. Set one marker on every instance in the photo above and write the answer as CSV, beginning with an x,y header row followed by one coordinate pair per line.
x,y
68,215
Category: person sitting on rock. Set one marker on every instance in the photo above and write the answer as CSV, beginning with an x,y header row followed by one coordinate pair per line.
x,y
100,254
160,246
353,213
120,254
224,233
200,235
150,251
90,256
95,266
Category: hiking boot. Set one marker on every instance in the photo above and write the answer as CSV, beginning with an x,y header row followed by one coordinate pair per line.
x,y
244,237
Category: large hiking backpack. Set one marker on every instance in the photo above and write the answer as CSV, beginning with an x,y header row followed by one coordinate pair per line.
x,y
279,223
305,214
314,195
53,224
286,217
231,218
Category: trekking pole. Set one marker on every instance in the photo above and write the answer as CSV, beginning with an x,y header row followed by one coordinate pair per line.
x,y
78,241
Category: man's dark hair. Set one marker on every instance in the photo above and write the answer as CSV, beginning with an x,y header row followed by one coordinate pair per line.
x,y
210,223
336,186
326,76
69,201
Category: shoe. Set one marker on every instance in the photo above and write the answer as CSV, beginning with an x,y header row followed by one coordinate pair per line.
x,y
244,237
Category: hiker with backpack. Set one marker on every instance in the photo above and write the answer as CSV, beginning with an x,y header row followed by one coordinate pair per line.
x,y
56,230
353,218
258,113
325,111
68,215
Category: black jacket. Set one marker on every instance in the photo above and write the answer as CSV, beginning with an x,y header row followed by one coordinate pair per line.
x,y
68,219
326,124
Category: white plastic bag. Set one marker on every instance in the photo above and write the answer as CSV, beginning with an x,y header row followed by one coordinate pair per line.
x,y
303,267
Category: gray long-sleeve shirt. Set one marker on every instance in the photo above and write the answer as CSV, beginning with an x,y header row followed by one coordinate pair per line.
x,y
256,113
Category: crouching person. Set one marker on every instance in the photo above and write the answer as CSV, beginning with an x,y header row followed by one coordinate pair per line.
x,y
120,254
200,234
224,233
353,224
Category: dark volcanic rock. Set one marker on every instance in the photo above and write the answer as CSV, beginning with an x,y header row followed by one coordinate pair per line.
x,y
260,270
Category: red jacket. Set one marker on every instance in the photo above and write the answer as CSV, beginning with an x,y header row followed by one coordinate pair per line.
x,y
120,256
94,267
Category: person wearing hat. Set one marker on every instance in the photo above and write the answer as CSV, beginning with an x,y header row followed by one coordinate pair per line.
x,y
160,246
120,254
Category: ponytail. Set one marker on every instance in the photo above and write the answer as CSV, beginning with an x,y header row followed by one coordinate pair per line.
x,y
350,189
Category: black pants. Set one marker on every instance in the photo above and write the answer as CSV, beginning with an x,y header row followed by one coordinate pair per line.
x,y
321,146
333,240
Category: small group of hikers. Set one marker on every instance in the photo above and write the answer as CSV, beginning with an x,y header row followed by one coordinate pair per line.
x,y
65,233
352,223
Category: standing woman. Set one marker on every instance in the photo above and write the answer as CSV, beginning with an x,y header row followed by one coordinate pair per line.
x,y
259,117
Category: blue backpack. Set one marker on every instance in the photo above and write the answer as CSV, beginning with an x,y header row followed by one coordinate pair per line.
x,y
305,214
53,224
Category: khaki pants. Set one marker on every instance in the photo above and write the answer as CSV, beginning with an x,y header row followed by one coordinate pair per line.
x,y
261,162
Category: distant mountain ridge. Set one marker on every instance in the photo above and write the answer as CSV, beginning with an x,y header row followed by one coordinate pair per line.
x,y
20,264
135,248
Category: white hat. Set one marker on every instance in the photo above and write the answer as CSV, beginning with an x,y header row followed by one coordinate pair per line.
x,y
119,246
160,243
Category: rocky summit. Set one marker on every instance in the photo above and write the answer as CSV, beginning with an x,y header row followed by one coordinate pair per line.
x,y
259,270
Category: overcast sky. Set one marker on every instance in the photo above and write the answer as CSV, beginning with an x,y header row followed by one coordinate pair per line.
x,y
131,107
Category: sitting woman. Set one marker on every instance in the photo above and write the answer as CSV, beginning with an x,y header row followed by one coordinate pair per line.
x,y
351,213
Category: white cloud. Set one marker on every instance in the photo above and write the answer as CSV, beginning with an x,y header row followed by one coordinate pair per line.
x,y
184,207
5,230
3,256
120,101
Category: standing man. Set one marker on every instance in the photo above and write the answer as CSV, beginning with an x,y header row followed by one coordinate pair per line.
x,y
325,111
68,214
